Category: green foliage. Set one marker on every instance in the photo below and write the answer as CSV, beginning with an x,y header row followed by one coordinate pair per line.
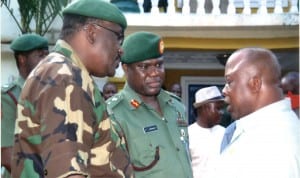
x,y
39,12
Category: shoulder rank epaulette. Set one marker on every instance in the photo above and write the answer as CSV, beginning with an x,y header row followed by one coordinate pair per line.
x,y
7,87
113,102
174,96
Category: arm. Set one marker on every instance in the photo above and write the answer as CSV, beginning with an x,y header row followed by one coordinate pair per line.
x,y
8,118
6,153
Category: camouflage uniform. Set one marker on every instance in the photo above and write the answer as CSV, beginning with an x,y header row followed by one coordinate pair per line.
x,y
62,126
158,146
9,100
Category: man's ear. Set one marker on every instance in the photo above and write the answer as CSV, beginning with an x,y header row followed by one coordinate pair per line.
x,y
125,69
21,60
90,33
255,84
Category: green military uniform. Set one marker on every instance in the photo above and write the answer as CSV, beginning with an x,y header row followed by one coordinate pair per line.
x,y
146,131
11,92
9,98
157,142
62,128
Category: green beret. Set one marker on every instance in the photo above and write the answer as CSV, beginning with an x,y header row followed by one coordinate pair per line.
x,y
141,46
29,42
99,9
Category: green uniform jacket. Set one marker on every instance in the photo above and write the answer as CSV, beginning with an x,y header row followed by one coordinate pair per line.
x,y
9,98
158,146
62,127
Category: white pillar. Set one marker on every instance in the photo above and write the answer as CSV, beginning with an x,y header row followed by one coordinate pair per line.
x,y
247,8
171,7
216,7
154,9
231,7
140,4
186,7
294,8
278,6
263,7
200,7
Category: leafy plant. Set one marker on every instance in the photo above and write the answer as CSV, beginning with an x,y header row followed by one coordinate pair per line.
x,y
39,12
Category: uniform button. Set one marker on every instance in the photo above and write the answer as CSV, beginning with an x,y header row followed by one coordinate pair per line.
x,y
45,172
177,149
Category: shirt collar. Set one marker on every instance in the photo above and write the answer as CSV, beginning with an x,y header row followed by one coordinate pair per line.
x,y
251,120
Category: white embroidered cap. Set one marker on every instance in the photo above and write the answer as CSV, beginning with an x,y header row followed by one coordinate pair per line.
x,y
206,95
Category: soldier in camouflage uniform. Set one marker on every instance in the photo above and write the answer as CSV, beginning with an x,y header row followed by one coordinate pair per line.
x,y
62,127
151,119
28,50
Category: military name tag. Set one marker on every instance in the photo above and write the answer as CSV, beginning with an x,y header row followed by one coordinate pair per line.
x,y
150,128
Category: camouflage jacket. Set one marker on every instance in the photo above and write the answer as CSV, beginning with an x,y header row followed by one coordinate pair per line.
x,y
62,126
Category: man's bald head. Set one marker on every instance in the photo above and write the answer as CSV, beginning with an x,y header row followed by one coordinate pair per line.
x,y
258,61
252,80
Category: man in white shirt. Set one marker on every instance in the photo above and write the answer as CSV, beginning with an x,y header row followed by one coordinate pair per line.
x,y
266,141
205,134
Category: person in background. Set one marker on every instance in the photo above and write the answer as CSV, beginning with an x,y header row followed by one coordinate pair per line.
x,y
62,128
205,135
264,140
290,86
151,119
109,90
176,89
28,50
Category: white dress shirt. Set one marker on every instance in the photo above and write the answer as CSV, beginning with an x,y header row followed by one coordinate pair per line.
x,y
265,144
204,146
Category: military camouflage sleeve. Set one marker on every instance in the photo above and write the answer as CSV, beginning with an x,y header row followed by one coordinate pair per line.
x,y
54,131
109,146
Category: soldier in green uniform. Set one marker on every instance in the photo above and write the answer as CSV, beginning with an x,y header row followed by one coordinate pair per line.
x,y
62,128
28,50
151,120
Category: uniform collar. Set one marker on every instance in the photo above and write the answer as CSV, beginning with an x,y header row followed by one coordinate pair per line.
x,y
135,101
64,48
20,81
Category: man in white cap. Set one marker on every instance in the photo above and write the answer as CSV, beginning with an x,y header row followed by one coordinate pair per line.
x,y
205,135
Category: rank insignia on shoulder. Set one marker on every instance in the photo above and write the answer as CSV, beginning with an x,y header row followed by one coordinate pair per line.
x,y
150,128
134,103
182,123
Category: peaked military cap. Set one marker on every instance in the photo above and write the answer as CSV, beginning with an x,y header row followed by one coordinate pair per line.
x,y
28,42
141,46
97,9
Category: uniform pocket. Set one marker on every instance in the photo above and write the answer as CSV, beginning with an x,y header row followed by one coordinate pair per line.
x,y
144,155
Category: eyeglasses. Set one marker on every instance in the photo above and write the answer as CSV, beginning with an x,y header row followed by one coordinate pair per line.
x,y
120,36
